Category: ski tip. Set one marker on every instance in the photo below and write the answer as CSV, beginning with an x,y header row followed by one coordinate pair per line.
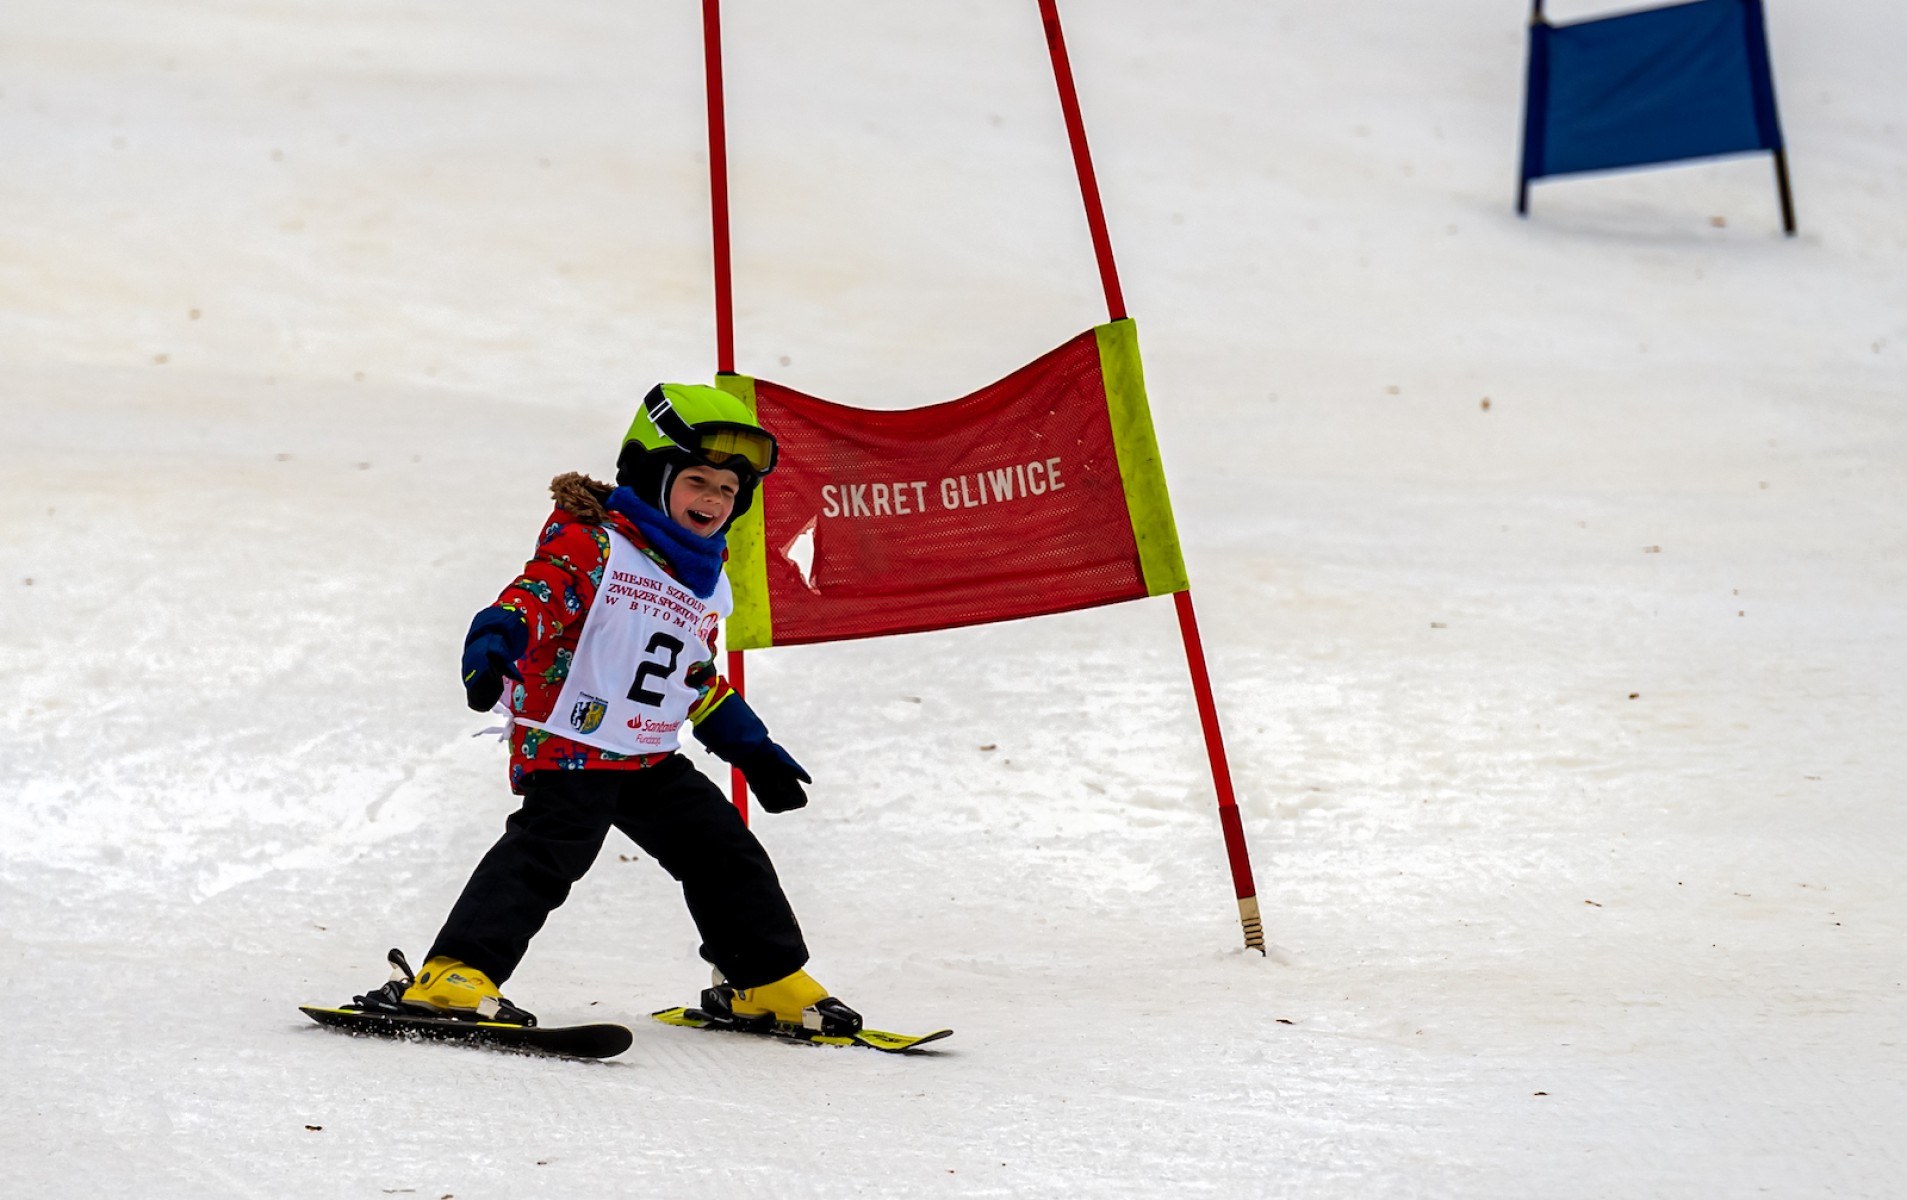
x,y
324,1013
613,1040
900,1043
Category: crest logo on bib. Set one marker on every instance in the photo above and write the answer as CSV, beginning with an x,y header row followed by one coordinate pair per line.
x,y
587,715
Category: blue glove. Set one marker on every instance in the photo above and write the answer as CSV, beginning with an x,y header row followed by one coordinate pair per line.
x,y
736,735
497,638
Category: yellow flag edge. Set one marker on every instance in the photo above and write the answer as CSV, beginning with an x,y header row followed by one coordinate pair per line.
x,y
751,625
1141,470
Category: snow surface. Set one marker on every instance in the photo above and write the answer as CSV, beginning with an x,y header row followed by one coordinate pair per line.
x,y
1551,573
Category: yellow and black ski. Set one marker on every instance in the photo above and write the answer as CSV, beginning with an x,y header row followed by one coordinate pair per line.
x,y
566,1041
873,1039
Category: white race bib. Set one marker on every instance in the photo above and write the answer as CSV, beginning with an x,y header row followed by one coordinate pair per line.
x,y
643,632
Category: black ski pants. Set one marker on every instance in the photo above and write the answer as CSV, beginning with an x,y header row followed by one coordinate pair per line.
x,y
679,818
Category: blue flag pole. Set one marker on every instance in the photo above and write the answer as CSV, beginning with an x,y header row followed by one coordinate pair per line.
x,y
1535,97
1767,116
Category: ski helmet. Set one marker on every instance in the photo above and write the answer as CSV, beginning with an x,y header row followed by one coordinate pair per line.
x,y
692,424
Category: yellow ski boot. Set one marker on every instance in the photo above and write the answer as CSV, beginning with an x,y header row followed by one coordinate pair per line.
x,y
449,988
791,1000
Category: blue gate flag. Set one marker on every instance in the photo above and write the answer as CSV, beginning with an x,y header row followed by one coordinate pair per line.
x,y
1661,85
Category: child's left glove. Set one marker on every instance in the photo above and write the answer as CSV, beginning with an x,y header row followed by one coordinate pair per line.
x,y
497,638
736,735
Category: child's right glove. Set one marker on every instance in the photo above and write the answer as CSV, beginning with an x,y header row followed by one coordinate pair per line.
x,y
736,735
497,638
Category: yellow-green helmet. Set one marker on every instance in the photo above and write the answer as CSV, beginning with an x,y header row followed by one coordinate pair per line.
x,y
684,424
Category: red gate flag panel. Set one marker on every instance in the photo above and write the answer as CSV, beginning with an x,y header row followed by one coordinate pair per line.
x,y
1037,494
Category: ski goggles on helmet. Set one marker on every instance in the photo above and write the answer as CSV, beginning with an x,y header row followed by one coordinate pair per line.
x,y
734,447
706,426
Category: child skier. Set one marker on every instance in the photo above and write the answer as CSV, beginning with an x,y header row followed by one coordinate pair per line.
x,y
609,638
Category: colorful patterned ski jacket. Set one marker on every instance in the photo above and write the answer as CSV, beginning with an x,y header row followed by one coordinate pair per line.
x,y
552,596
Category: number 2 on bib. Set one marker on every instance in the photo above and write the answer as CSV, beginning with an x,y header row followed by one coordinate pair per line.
x,y
639,691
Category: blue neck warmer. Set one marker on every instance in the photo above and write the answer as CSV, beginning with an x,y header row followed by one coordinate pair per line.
x,y
696,560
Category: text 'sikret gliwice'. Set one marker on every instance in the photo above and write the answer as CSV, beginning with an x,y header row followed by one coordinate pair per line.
x,y
901,498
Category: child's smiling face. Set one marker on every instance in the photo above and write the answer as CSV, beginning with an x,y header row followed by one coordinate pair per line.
x,y
701,498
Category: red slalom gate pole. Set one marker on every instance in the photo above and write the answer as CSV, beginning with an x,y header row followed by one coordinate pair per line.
x,y
738,783
1243,885
724,293
718,186
1082,159
1240,858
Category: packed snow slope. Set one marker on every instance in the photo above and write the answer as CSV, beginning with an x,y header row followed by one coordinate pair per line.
x,y
1551,573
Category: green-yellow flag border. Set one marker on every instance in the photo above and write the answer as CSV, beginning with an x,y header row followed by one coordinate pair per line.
x,y
751,626
1141,470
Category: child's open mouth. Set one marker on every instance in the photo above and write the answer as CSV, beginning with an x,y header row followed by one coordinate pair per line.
x,y
701,520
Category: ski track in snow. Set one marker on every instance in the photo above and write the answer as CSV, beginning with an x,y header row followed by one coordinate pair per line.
x,y
1550,573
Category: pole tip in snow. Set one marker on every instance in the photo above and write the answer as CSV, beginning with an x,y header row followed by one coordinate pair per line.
x,y
1254,928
